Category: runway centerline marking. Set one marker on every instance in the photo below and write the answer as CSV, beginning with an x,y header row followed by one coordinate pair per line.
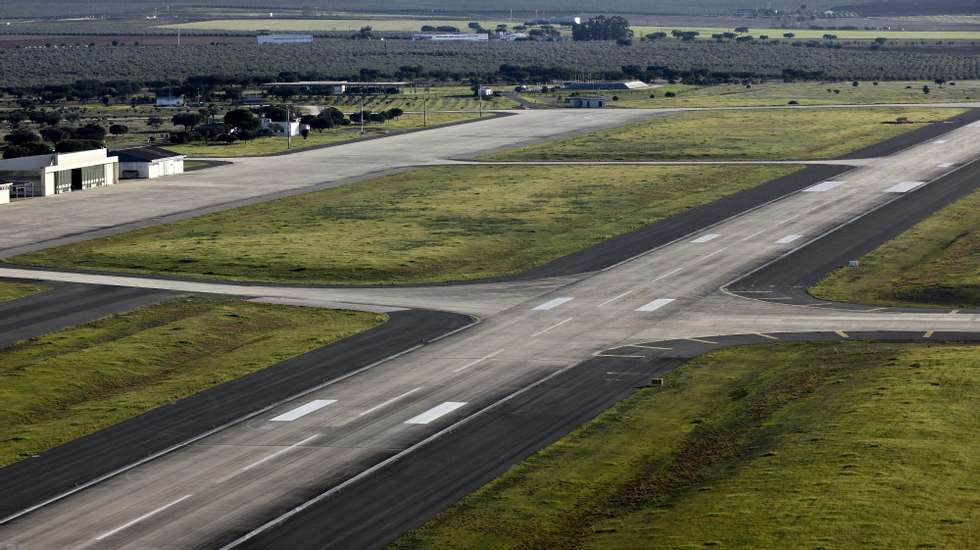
x,y
279,453
687,265
706,238
756,234
147,515
824,186
303,410
655,305
552,304
617,297
551,328
478,361
905,186
389,402
435,412
788,239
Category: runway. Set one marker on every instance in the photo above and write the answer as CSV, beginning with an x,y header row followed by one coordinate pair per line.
x,y
366,456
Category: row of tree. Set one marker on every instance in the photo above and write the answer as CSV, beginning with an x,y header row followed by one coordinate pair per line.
x,y
23,142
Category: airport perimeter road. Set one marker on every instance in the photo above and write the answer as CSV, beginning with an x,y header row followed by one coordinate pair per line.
x,y
221,487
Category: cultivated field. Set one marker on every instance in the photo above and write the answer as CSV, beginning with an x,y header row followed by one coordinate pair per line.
x,y
327,25
427,225
74,382
844,445
808,34
935,263
781,134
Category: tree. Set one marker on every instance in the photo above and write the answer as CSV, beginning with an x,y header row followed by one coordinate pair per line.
x,y
603,28
187,120
92,132
242,119
246,135
22,137
54,134
26,150
881,40
154,121
118,129
75,145
14,118
393,113
305,132
789,35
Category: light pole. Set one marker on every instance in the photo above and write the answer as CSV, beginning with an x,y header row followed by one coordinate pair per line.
x,y
362,111
425,108
289,129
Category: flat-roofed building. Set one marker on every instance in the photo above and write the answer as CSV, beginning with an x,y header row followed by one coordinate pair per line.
x,y
338,87
148,162
290,38
56,173
5,192
587,102
452,37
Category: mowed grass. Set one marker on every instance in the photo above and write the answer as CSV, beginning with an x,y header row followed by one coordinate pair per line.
x,y
426,225
842,445
271,145
777,134
935,263
74,382
12,291
781,93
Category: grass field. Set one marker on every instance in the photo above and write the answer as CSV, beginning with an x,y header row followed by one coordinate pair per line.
x,y
77,381
270,145
781,93
437,98
843,445
331,25
810,34
765,135
12,291
427,225
935,263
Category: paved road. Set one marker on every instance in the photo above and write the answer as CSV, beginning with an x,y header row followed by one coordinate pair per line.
x,y
222,486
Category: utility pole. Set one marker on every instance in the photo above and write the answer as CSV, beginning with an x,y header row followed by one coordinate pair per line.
x,y
479,92
289,130
425,108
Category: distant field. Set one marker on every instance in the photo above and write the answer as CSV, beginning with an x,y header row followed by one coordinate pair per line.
x,y
781,93
427,225
74,382
270,145
781,134
325,25
806,34
843,445
12,291
935,263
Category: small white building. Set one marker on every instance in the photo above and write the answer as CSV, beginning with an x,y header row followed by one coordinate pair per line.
x,y
57,173
485,91
285,38
5,192
148,162
587,102
279,128
170,101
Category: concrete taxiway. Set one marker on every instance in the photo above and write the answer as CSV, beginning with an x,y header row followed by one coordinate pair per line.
x,y
256,482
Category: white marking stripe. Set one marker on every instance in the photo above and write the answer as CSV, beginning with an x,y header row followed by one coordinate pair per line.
x,y
478,361
842,334
551,328
389,402
941,141
552,304
702,340
946,165
435,412
904,187
280,452
825,186
764,335
928,334
788,239
706,238
141,518
303,410
655,305
617,297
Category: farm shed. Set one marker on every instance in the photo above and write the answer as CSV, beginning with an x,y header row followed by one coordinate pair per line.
x,y
148,162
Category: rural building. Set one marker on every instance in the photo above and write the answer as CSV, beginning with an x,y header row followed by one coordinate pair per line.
x,y
279,128
587,102
606,85
148,162
285,38
485,91
566,21
452,37
170,101
5,192
56,173
338,87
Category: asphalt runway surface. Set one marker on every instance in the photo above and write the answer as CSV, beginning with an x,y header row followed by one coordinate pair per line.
x,y
572,338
